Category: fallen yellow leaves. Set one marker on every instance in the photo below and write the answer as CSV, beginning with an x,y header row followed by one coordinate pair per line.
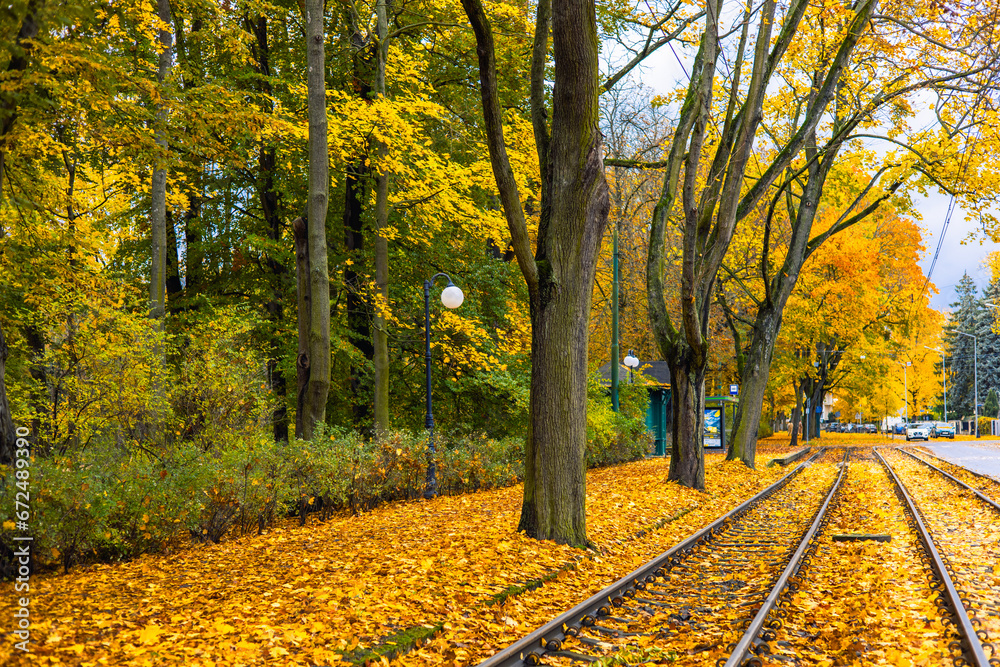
x,y
865,603
324,593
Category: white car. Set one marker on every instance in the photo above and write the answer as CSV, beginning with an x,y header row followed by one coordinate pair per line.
x,y
918,432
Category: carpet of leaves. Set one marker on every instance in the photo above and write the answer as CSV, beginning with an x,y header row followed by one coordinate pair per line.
x,y
323,593
967,533
865,602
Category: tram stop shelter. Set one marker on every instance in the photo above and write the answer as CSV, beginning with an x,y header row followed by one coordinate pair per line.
x,y
715,432
655,376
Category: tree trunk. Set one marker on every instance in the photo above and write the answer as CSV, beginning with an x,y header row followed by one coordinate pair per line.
x,y
796,416
8,436
318,361
173,284
756,369
380,337
356,195
358,329
300,230
560,273
158,213
270,211
555,467
687,457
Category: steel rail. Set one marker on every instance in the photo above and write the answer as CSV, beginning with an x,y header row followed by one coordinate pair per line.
x,y
746,642
982,496
529,649
973,644
970,471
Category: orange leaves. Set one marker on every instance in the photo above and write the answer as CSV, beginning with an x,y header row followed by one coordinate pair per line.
x,y
310,595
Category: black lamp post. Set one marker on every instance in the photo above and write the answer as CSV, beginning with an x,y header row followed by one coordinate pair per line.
x,y
451,297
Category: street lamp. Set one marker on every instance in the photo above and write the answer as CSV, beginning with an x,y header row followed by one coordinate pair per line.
x,y
944,386
975,372
451,297
632,362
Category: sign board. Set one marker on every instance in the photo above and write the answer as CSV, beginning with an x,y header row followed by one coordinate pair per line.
x,y
713,427
734,389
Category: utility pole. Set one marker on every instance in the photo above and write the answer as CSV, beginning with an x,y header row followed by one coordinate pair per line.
x,y
614,319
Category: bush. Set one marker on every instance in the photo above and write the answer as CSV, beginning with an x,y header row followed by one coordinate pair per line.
x,y
764,430
616,437
109,503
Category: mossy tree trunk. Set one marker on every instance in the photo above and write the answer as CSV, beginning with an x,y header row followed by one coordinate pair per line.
x,y
560,272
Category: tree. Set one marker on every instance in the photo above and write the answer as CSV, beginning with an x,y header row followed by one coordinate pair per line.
x,y
961,349
560,272
989,343
940,157
314,338
706,166
991,408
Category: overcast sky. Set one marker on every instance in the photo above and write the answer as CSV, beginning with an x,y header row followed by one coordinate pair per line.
x,y
955,258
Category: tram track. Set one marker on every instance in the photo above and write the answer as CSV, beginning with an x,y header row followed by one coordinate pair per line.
x,y
693,603
984,484
965,526
726,596
869,594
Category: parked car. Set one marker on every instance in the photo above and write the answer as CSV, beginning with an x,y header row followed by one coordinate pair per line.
x,y
943,430
871,428
918,431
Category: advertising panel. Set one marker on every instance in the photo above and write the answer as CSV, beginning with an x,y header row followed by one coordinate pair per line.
x,y
713,427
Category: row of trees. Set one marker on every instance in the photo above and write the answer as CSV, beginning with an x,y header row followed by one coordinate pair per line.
x,y
184,147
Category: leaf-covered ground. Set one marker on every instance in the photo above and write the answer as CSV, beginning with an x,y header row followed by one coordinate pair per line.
x,y
311,595
452,581
864,603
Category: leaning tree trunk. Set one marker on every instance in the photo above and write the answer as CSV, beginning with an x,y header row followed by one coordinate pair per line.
x,y
756,371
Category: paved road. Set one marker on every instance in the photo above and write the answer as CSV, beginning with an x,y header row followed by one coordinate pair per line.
x,y
981,459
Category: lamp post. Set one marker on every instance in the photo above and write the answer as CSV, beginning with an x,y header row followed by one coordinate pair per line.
x,y
944,386
975,372
614,320
632,362
906,400
451,297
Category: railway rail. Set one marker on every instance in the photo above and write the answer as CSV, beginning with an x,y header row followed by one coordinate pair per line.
x,y
976,481
966,528
721,590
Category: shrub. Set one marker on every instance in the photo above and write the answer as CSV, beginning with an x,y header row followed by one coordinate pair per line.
x,y
764,430
616,437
